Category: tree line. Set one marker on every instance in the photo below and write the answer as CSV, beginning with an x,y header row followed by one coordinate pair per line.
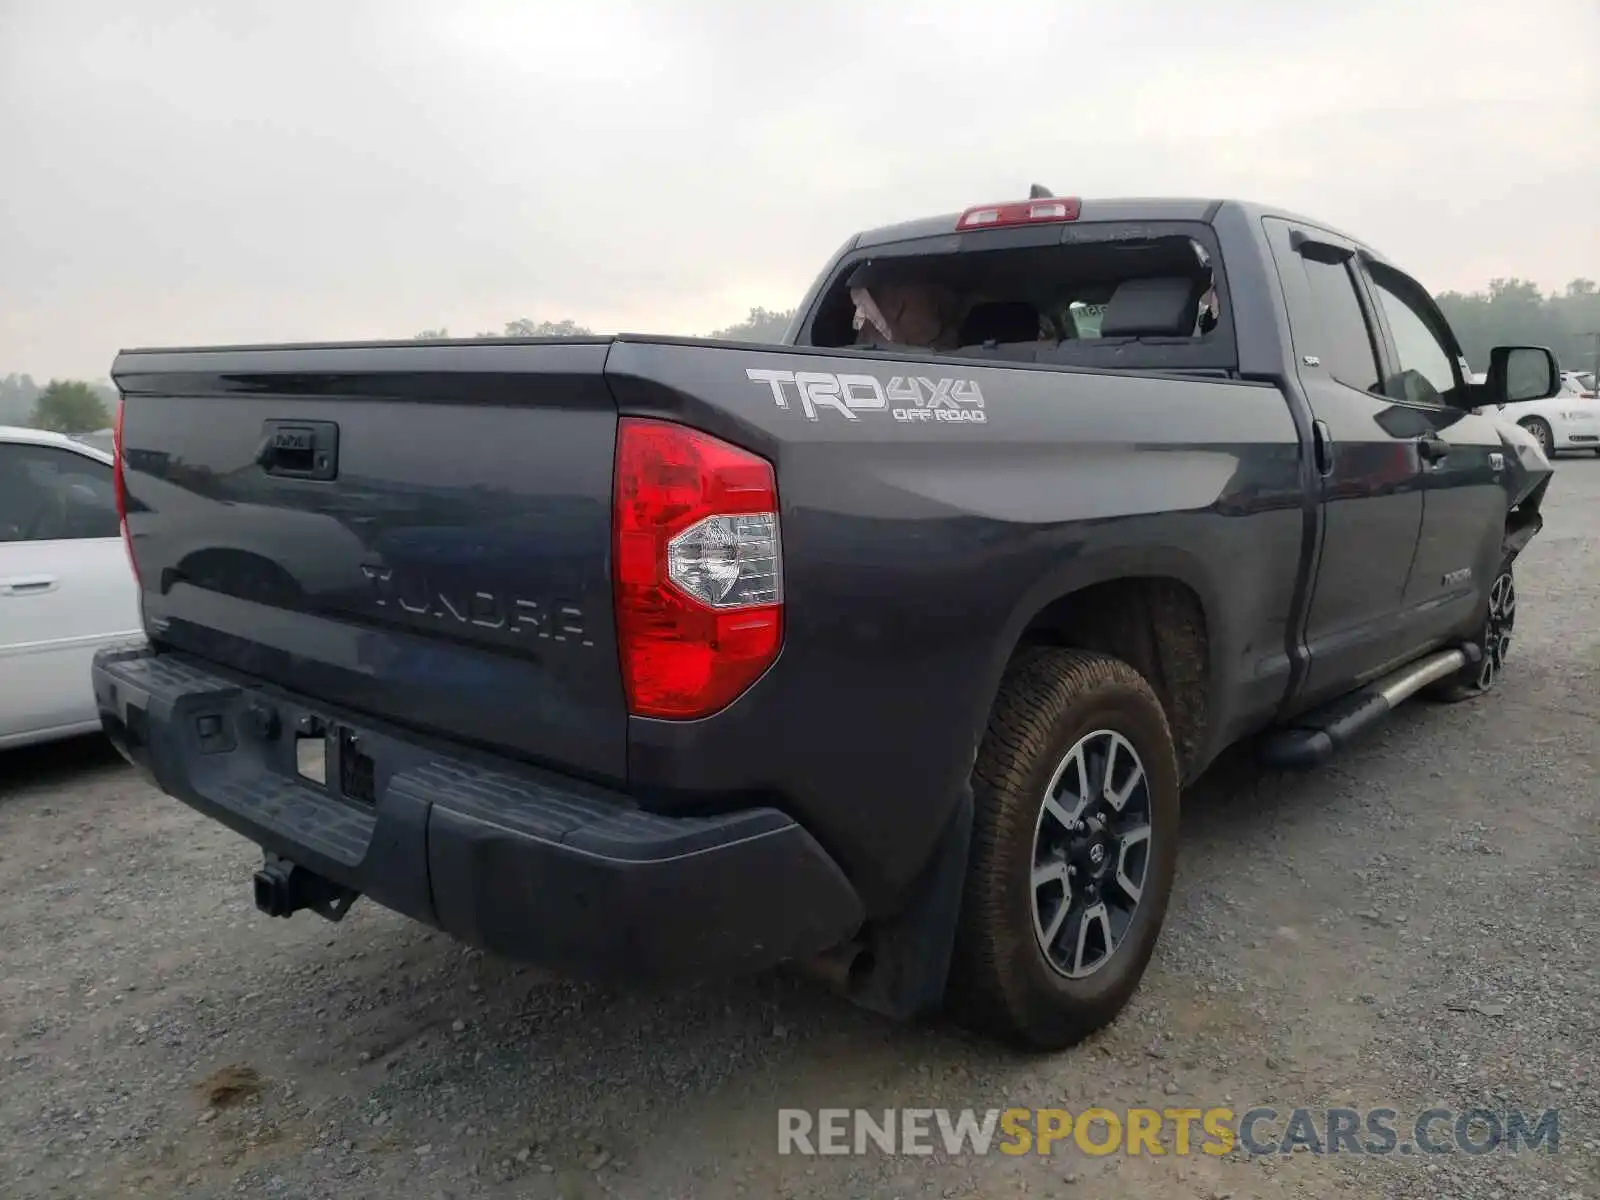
x,y
73,406
1507,312
762,325
1513,312
76,406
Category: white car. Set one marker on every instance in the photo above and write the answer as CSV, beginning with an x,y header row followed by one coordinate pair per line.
x,y
66,586
1578,383
1569,420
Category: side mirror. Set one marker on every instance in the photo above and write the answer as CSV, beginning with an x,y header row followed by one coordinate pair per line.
x,y
1518,373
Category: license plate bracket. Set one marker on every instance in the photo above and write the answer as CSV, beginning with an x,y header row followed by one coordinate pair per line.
x,y
332,757
357,771
311,757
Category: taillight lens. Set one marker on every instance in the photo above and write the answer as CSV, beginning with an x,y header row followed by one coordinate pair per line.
x,y
120,485
698,566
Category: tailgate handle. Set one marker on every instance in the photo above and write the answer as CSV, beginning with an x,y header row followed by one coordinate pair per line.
x,y
299,449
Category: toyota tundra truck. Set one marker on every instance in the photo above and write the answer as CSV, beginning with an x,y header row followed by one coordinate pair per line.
x,y
886,650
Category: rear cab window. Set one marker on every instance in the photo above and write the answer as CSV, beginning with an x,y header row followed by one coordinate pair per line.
x,y
1150,295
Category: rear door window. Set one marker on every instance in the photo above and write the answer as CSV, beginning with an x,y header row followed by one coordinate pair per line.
x,y
1331,323
1342,338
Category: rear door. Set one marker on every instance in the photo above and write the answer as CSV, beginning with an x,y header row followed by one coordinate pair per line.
x,y
66,588
1463,466
1371,476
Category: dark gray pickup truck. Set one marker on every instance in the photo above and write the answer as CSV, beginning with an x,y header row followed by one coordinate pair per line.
x,y
886,650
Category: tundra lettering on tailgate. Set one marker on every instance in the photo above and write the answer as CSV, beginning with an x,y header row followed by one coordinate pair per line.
x,y
908,398
415,595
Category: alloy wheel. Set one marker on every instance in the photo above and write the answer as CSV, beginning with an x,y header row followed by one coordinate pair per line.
x,y
1497,629
1091,853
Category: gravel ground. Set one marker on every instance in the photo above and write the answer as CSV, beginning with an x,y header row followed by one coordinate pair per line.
x,y
1414,925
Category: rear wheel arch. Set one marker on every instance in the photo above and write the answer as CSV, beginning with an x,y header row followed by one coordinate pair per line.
x,y
1152,622
1156,622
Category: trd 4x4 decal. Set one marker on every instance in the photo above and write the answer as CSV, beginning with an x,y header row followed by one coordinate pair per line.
x,y
909,398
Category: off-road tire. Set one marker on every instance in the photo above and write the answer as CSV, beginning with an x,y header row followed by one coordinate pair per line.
x,y
1001,983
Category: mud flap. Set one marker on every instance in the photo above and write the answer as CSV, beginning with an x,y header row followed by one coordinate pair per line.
x,y
902,970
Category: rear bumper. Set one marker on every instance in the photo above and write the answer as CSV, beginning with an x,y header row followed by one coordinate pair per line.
x,y
526,864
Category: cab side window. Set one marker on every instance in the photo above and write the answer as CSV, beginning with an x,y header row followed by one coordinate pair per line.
x,y
1425,369
50,494
1343,339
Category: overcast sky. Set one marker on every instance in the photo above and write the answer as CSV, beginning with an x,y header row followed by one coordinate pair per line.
x,y
181,172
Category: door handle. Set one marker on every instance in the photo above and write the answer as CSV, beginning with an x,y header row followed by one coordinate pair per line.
x,y
28,585
1322,442
1432,449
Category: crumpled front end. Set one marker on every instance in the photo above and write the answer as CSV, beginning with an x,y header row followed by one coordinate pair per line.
x,y
1527,478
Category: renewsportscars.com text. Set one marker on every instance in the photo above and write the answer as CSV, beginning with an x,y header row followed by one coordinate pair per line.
x,y
1175,1131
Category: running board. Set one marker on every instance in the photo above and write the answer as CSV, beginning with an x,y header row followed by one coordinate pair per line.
x,y
1313,737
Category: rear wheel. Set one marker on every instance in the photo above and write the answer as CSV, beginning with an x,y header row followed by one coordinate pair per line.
x,y
1500,620
1540,428
1073,853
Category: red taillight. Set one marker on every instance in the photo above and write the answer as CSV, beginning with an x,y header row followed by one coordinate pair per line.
x,y
1020,212
120,486
698,568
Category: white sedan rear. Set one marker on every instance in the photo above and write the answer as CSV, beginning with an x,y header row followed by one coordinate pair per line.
x,y
1579,383
1560,423
1568,420
66,587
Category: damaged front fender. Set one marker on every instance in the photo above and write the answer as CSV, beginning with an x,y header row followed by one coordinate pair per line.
x,y
1526,477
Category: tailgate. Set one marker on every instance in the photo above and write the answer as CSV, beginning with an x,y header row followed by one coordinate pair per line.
x,y
421,533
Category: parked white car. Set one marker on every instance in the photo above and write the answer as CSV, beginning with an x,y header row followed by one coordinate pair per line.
x,y
66,586
1569,420
1578,383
